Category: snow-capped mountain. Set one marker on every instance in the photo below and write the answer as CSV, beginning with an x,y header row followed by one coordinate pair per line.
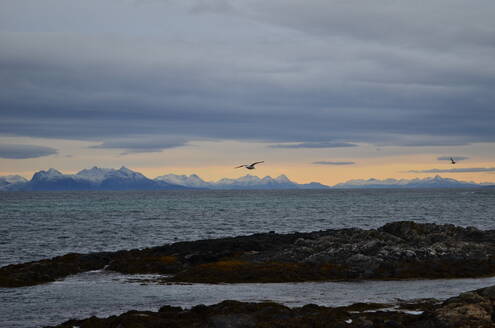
x,y
254,182
49,175
11,179
125,179
430,182
97,178
96,174
244,182
90,179
53,179
192,181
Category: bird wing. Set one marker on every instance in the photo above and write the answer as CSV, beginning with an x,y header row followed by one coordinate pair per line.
x,y
239,166
256,163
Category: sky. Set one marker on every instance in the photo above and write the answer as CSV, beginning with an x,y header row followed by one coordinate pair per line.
x,y
320,90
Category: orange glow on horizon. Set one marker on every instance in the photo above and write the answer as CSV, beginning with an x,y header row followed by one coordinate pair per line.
x,y
329,175
295,164
326,174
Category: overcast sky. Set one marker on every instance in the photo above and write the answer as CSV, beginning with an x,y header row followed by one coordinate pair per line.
x,y
193,85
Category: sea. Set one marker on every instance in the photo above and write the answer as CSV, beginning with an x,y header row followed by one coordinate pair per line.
x,y
38,225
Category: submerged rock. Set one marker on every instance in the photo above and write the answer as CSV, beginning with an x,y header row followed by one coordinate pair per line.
x,y
397,250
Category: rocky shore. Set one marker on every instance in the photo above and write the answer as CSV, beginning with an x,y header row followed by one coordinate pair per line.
x,y
398,250
468,310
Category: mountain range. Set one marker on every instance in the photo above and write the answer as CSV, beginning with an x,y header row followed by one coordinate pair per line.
x,y
87,179
430,182
125,179
245,182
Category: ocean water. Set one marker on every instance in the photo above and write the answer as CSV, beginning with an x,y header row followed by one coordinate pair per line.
x,y
36,225
101,294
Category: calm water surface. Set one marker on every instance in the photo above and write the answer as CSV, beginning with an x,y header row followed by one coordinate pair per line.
x,y
103,294
35,225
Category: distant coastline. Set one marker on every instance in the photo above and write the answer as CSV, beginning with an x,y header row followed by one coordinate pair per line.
x,y
97,178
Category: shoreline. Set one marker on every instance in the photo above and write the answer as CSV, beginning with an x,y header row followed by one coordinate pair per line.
x,y
469,309
398,250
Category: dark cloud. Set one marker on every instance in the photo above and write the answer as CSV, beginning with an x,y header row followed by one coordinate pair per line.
x,y
401,22
14,151
460,170
315,145
212,6
457,158
332,163
275,72
141,144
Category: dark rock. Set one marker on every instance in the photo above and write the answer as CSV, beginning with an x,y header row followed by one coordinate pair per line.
x,y
392,324
33,273
468,310
398,250
168,308
488,292
362,322
231,321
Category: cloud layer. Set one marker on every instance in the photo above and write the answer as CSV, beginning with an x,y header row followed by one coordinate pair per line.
x,y
315,145
142,144
460,170
288,72
14,151
456,158
332,163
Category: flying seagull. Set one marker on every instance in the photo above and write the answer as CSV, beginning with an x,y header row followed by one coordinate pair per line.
x,y
452,160
250,166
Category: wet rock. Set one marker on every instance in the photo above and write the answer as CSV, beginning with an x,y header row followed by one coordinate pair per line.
x,y
392,324
488,292
362,322
231,321
468,310
398,250
33,273
465,310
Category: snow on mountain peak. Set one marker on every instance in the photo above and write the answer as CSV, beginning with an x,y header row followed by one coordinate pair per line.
x,y
52,171
282,179
13,179
249,178
183,180
429,182
49,174
95,173
126,173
